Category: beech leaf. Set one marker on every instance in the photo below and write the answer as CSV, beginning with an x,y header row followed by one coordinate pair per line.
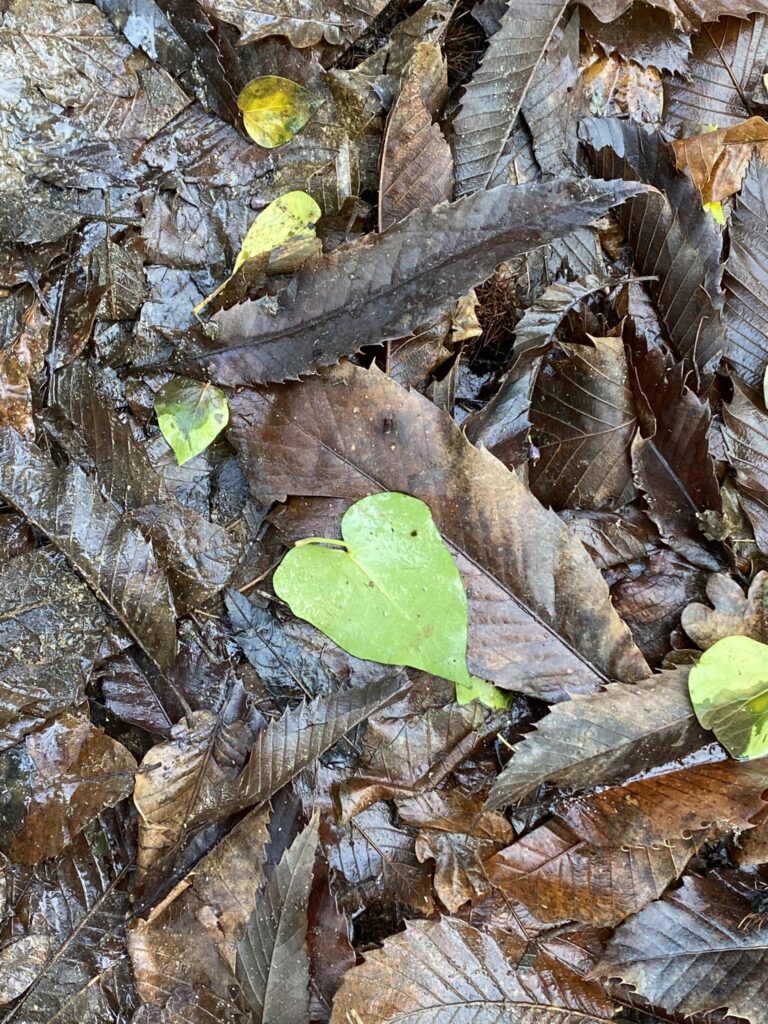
x,y
729,690
389,592
274,109
190,415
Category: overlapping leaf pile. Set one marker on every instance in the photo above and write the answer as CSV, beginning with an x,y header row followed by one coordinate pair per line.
x,y
535,297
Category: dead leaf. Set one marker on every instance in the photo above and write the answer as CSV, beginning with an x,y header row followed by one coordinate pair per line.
x,y
717,160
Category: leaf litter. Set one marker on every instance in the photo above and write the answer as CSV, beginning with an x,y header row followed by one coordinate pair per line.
x,y
383,511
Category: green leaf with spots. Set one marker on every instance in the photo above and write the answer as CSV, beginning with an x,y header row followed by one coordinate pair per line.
x,y
275,109
729,691
191,415
389,592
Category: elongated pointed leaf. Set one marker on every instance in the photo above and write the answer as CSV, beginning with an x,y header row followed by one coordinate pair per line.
x,y
75,907
436,970
493,98
723,74
746,279
509,548
272,959
687,953
113,557
382,287
603,738
673,238
293,741
745,431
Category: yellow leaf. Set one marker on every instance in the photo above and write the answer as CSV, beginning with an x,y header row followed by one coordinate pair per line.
x,y
274,109
293,215
716,211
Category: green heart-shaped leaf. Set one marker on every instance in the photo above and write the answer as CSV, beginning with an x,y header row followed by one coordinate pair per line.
x,y
389,592
190,415
729,691
274,109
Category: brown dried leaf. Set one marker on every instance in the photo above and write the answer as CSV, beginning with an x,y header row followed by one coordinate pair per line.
x,y
442,967
687,954
352,432
20,360
608,855
416,160
717,161
732,614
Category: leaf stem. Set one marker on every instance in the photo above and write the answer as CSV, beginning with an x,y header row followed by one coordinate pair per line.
x,y
322,540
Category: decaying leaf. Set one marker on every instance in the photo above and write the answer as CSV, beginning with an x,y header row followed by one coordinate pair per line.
x,y
733,614
50,629
718,160
687,953
746,281
348,299
745,426
72,911
578,642
447,966
20,359
275,109
56,782
111,555
673,239
416,160
604,738
496,92
583,419
608,855
299,20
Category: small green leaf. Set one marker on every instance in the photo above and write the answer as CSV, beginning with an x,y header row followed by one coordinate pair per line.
x,y
274,109
389,592
190,415
729,691
293,215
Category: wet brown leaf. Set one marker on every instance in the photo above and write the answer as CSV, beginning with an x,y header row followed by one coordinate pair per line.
x,y
347,453
447,966
380,288
687,954
745,425
416,160
717,161
733,613
21,359
57,781
608,855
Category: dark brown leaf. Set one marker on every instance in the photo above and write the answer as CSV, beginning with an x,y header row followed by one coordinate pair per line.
x,y
382,287
583,422
72,909
183,954
113,558
721,82
604,739
686,954
608,855
673,238
495,94
733,614
304,23
444,967
416,160
50,630
746,280
642,35
745,430
333,426
272,959
56,782
670,457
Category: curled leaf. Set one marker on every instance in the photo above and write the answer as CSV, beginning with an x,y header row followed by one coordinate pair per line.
x,y
191,415
274,109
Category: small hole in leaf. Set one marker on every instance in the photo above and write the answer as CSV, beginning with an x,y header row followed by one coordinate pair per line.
x,y
414,533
